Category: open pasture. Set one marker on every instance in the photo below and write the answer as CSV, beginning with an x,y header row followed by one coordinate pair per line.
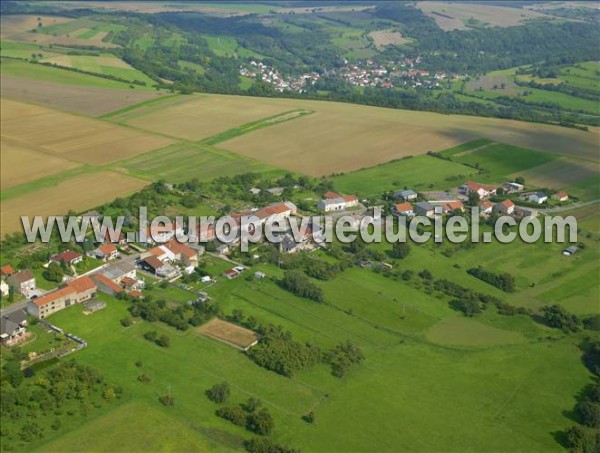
x,y
13,26
462,331
455,15
77,193
87,100
21,164
560,173
74,137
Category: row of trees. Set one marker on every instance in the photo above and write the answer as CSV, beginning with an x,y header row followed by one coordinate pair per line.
x,y
503,281
297,283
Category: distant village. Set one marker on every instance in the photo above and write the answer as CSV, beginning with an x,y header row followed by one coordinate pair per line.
x,y
363,73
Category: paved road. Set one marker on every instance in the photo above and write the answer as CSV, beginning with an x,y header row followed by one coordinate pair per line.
x,y
569,207
13,307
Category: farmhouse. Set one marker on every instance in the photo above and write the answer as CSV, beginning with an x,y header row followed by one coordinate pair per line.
x,y
276,212
67,257
561,196
6,271
106,252
23,282
483,190
485,207
75,292
338,204
537,197
13,328
405,209
406,195
453,206
424,208
506,207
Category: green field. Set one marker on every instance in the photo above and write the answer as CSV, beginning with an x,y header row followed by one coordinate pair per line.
x,y
26,70
420,173
400,356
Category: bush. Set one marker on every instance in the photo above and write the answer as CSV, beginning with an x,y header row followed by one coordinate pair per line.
x,y
126,322
167,400
163,341
234,414
218,393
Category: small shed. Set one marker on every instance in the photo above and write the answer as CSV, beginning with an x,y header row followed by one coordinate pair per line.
x,y
572,250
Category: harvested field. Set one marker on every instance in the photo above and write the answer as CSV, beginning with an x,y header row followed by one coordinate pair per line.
x,y
71,98
84,191
345,137
21,164
74,137
12,25
229,333
68,62
498,82
452,16
382,38
200,116
560,173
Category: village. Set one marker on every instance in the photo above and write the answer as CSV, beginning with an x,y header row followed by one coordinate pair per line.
x,y
124,270
362,73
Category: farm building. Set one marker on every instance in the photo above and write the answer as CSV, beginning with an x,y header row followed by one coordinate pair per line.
x,y
406,195
231,274
439,197
338,204
106,286
157,267
75,292
424,208
452,206
93,306
511,187
483,190
118,271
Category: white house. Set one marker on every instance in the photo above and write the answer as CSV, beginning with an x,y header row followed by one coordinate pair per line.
x,y
338,204
538,197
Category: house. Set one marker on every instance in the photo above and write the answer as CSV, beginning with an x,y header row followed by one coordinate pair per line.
x,y
537,197
118,271
405,209
182,253
289,245
561,196
106,286
75,292
453,206
131,284
572,250
276,212
505,207
406,195
67,257
106,252
4,288
424,208
13,328
483,190
231,274
6,271
23,282
338,204
485,207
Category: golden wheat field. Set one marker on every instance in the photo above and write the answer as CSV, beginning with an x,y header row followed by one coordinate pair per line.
x,y
200,116
22,163
74,137
77,194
